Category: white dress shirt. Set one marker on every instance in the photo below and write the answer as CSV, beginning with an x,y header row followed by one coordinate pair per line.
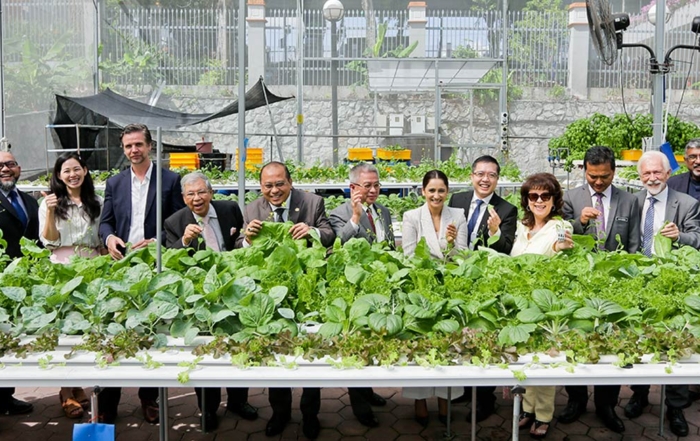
x,y
659,212
378,223
214,223
482,210
139,200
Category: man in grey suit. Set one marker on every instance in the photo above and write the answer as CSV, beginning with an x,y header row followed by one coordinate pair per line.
x,y
216,225
489,215
605,212
281,203
677,216
689,182
364,218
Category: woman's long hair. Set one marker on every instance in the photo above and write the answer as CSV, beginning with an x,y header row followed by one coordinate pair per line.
x,y
91,205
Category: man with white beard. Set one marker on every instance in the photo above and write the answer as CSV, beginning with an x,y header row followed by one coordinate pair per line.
x,y
674,215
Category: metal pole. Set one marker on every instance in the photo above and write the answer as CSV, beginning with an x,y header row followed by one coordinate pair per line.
x,y
334,90
658,98
241,105
438,112
162,392
2,80
300,81
96,75
503,97
163,413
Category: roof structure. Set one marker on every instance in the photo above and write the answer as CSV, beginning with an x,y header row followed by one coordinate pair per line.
x,y
419,75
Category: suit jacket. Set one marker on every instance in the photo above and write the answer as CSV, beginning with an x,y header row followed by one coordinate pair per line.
x,y
11,226
418,223
340,222
116,214
679,183
682,210
505,210
303,207
623,218
228,214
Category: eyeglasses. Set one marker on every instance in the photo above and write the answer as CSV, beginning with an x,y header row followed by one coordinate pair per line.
x,y
200,193
369,186
490,175
8,164
692,158
533,197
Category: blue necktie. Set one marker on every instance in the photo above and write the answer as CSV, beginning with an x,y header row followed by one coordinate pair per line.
x,y
648,235
474,218
14,199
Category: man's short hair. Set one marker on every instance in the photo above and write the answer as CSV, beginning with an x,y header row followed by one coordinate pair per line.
x,y
693,144
598,155
133,128
281,164
653,154
190,178
364,167
487,159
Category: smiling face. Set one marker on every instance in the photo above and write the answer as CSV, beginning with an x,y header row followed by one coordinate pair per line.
x,y
654,175
275,185
10,171
136,149
368,186
197,197
599,176
540,208
72,174
484,179
435,193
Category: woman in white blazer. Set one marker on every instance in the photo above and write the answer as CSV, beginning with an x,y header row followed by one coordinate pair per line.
x,y
445,231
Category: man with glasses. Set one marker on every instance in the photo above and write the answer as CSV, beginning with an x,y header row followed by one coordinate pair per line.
x,y
689,182
19,218
216,225
601,210
307,211
488,216
364,218
129,216
676,216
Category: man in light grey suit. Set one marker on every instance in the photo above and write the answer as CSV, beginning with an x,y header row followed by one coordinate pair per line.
x,y
605,212
364,218
661,204
281,203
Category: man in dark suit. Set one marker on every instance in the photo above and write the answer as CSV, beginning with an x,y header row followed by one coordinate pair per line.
x,y
19,217
281,203
689,182
676,216
362,217
216,225
605,212
488,215
129,215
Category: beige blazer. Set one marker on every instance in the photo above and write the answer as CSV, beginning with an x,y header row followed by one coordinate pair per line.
x,y
418,223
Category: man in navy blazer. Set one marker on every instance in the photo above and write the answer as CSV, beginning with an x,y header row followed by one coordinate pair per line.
x,y
129,216
689,182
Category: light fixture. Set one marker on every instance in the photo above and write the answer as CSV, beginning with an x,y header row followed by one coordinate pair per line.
x,y
651,13
333,10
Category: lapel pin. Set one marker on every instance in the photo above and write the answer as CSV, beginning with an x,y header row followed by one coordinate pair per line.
x,y
296,209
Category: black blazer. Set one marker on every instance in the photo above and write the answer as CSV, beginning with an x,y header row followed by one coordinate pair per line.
x,y
230,218
680,183
505,210
11,226
116,214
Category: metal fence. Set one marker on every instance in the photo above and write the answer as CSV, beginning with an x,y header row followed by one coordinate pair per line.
x,y
631,70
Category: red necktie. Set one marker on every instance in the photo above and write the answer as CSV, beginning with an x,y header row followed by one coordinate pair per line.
x,y
371,220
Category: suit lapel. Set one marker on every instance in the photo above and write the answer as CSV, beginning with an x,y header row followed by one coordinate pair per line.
x,y
431,237
296,207
671,207
151,197
6,204
614,201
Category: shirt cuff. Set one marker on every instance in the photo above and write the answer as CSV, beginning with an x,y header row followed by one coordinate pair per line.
x,y
355,226
496,234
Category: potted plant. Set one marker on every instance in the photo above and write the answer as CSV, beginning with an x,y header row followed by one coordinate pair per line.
x,y
394,153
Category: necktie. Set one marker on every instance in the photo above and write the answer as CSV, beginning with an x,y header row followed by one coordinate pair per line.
x,y
474,218
209,234
601,218
371,220
279,214
648,235
14,200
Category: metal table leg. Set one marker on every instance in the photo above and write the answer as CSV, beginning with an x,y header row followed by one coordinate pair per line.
x,y
473,413
517,393
662,410
163,413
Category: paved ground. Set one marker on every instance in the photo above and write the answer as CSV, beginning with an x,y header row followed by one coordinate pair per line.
x,y
47,422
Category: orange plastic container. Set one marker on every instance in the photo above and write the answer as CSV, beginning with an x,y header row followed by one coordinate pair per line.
x,y
360,154
253,160
394,155
190,161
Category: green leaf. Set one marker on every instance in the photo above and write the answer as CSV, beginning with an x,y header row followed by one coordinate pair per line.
x,y
278,293
377,321
286,313
587,312
355,274
394,324
448,326
330,330
14,293
334,314
511,335
531,315
544,299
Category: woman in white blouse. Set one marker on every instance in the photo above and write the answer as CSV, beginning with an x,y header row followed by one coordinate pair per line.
x,y
68,222
445,231
542,231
